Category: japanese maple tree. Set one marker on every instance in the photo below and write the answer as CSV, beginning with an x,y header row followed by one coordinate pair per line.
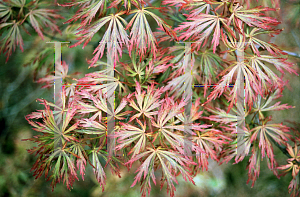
x,y
154,121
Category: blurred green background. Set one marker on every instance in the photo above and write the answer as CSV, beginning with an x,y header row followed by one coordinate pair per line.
x,y
19,92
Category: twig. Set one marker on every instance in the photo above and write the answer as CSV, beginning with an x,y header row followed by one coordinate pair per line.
x,y
23,103
13,86
292,54
281,147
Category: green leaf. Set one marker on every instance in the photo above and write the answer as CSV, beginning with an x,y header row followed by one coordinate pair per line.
x,y
12,38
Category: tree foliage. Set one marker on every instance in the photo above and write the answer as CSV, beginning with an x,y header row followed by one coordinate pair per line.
x,y
155,123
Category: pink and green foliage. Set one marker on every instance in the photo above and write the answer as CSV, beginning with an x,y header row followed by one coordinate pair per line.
x,y
36,16
152,121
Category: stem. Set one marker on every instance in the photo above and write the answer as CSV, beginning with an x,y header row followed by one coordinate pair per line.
x,y
253,116
292,54
281,147
127,83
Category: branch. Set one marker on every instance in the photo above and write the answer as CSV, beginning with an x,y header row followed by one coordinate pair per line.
x,y
292,54
281,147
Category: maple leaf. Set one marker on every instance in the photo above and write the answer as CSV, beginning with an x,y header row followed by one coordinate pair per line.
x,y
163,25
196,7
254,42
267,132
162,36
200,27
146,103
187,126
293,164
182,83
254,165
5,12
171,164
146,70
80,155
92,127
98,78
168,111
64,167
149,67
114,37
252,17
294,187
37,17
54,133
50,126
206,144
209,65
87,108
277,133
292,161
138,68
98,169
12,39
242,70
265,74
185,72
260,106
141,33
116,112
279,63
161,63
46,17
87,11
7,9
100,105
59,161
129,133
